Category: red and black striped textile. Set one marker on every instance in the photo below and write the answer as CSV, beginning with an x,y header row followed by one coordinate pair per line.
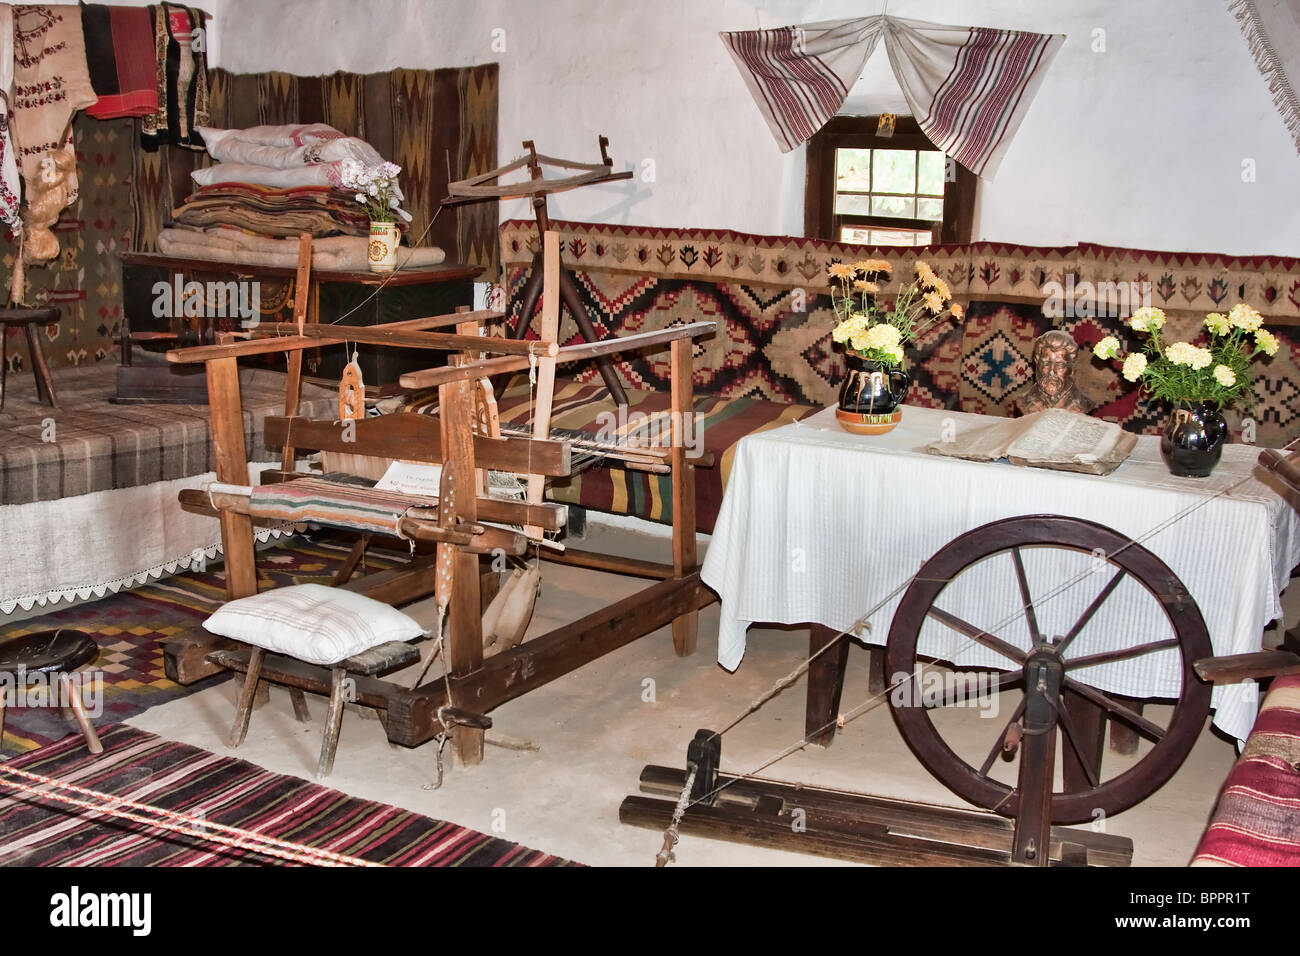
x,y
144,768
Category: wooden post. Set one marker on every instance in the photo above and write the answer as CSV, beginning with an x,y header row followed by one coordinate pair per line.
x,y
293,373
458,503
549,332
231,465
686,627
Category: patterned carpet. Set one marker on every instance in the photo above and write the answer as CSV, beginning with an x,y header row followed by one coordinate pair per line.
x,y
128,626
144,768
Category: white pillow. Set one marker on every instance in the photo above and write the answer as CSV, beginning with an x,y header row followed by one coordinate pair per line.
x,y
312,622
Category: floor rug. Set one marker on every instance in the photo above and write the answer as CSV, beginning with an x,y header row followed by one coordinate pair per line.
x,y
142,767
129,625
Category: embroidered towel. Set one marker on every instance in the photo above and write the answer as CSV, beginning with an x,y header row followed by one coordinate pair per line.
x,y
968,87
10,187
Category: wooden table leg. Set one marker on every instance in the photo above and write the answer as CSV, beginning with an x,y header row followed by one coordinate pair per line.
x,y
1123,738
44,381
825,684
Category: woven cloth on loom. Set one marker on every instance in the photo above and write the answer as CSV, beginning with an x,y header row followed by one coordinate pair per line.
x,y
119,53
587,407
1257,820
334,504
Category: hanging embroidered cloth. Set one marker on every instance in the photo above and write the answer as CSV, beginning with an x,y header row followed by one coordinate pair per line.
x,y
1272,28
181,73
51,81
10,187
120,55
968,87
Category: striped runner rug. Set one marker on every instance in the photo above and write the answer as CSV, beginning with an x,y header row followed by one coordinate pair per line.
x,y
142,767
131,626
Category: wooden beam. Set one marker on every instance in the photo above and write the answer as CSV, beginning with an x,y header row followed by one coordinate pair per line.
x,y
685,627
231,466
409,338
541,660
416,438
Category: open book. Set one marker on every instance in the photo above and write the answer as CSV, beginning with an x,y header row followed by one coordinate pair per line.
x,y
1067,441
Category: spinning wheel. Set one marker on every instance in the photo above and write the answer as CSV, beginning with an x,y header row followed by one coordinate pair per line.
x,y
1050,712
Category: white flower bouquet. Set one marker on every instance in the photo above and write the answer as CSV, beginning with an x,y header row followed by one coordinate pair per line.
x,y
376,189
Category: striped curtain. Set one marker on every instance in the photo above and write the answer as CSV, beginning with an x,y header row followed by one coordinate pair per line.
x,y
968,87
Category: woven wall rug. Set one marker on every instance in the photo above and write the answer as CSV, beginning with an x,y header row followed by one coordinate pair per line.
x,y
129,625
143,768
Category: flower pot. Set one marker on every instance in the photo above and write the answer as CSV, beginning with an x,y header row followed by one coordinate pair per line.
x,y
382,252
870,396
1193,440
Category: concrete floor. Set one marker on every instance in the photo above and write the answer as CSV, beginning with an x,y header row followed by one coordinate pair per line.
x,y
597,727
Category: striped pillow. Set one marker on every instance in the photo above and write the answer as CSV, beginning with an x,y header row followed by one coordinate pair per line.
x,y
312,622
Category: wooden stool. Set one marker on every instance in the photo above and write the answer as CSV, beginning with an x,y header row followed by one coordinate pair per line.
x,y
378,660
33,319
54,653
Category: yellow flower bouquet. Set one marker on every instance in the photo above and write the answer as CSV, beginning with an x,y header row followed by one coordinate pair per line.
x,y
877,334
1218,373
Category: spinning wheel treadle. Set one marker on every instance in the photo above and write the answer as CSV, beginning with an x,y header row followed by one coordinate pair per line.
x,y
1051,661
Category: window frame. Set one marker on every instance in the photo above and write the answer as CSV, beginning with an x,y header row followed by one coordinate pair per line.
x,y
859,132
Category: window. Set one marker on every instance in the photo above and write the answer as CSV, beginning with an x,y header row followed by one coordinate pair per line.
x,y
894,191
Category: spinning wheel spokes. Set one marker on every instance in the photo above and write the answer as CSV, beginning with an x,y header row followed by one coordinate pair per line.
x,y
980,636
1087,615
1115,709
1052,698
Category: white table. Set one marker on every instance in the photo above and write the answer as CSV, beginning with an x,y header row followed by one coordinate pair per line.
x,y
818,525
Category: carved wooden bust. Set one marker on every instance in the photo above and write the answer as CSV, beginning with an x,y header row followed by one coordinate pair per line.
x,y
1055,353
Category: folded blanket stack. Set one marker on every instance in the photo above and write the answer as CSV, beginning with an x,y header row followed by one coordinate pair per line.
x,y
271,184
332,254
264,211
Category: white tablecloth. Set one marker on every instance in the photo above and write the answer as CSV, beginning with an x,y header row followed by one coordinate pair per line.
x,y
818,525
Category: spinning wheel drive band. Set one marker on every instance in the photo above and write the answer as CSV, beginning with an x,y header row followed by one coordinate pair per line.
x,y
1171,743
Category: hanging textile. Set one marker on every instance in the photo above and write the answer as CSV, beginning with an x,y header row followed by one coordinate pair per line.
x,y
968,87
120,55
10,187
181,70
1272,28
51,81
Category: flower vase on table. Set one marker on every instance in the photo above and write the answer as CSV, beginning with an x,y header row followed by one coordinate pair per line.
x,y
377,191
870,396
1193,440
1198,381
381,253
873,338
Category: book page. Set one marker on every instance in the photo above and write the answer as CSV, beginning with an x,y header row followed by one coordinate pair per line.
x,y
984,444
411,478
1059,435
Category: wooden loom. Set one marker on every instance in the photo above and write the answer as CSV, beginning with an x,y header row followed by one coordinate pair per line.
x,y
453,521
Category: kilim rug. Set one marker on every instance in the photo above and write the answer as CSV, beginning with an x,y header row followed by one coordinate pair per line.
x,y
139,766
129,625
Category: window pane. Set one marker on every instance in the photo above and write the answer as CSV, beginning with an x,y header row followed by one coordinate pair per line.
x,y
893,206
884,237
929,209
853,169
930,172
850,205
895,170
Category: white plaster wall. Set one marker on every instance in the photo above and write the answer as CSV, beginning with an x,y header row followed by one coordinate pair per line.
x,y
1140,145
